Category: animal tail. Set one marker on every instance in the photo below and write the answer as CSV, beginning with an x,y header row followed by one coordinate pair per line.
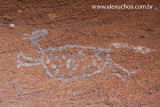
x,y
141,49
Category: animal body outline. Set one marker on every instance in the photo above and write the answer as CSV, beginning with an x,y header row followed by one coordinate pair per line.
x,y
38,35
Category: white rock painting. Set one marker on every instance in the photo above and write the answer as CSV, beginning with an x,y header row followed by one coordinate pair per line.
x,y
71,62
141,49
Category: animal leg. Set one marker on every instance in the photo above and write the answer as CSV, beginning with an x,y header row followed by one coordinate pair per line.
x,y
122,68
116,73
27,58
20,63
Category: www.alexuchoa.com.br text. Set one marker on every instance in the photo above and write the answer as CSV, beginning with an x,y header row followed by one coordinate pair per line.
x,y
123,6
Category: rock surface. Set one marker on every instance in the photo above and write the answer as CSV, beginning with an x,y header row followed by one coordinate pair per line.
x,y
74,22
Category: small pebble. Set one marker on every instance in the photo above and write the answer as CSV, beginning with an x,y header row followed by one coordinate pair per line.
x,y
19,11
11,25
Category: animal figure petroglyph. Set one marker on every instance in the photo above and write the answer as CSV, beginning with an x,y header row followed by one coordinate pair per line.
x,y
70,62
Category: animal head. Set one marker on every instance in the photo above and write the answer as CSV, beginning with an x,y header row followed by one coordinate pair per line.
x,y
37,35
